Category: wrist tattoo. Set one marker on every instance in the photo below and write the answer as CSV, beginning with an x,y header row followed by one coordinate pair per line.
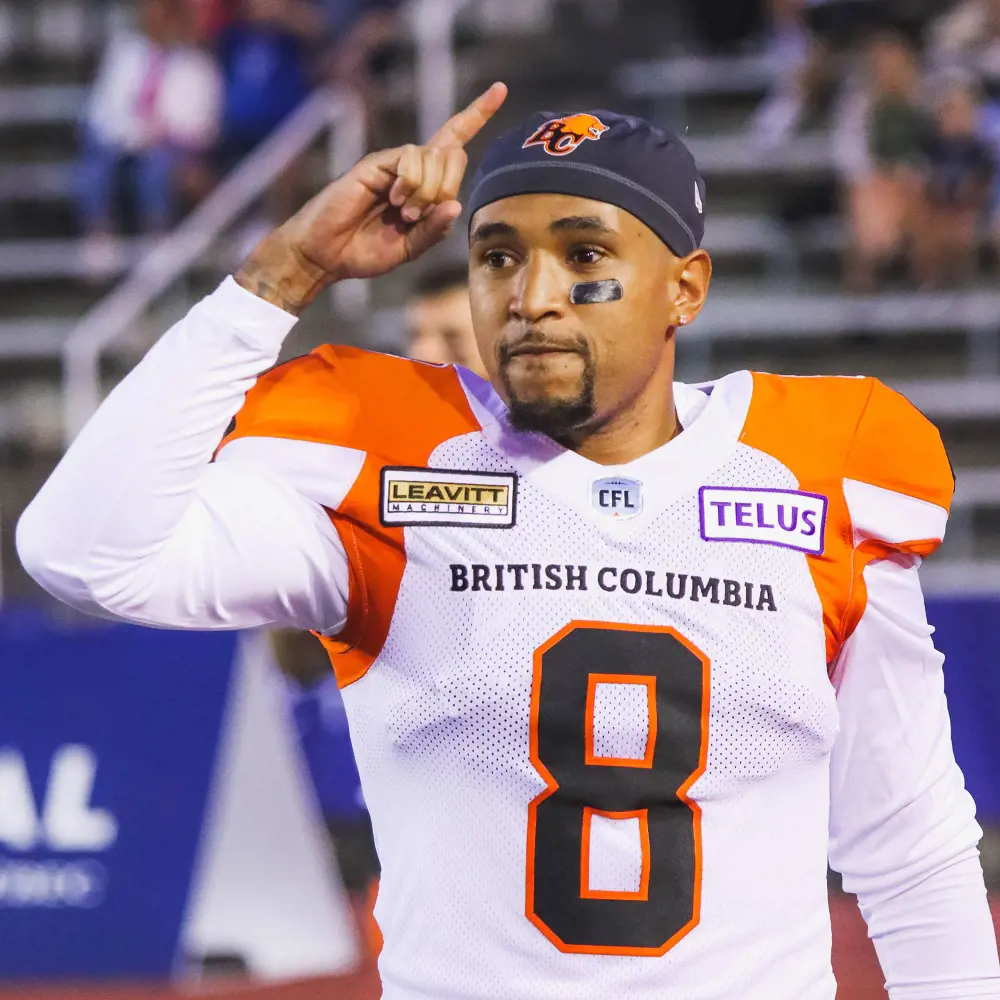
x,y
276,277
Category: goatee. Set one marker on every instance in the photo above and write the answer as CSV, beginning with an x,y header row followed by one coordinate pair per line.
x,y
557,418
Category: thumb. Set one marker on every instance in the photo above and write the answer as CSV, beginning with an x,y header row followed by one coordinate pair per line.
x,y
432,229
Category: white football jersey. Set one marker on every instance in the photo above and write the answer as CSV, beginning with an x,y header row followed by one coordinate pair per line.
x,y
609,720
592,706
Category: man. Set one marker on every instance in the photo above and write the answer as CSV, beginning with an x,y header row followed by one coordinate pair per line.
x,y
440,320
621,657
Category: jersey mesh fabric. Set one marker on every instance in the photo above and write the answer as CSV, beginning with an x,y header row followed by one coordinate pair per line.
x,y
614,854
441,727
621,720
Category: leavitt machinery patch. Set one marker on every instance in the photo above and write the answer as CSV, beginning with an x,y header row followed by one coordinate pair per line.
x,y
414,496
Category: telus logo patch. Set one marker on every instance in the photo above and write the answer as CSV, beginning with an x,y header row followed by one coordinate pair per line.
x,y
789,518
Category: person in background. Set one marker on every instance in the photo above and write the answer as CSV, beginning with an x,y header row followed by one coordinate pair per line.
x,y
967,37
362,37
210,17
813,44
958,174
154,106
264,53
879,145
321,725
439,320
787,44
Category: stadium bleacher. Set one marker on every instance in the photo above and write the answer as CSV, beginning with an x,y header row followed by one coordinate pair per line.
x,y
775,304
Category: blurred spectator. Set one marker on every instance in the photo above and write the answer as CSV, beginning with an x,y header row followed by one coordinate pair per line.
x,y
321,723
264,55
362,35
440,320
155,105
788,46
968,36
958,174
879,145
210,17
810,41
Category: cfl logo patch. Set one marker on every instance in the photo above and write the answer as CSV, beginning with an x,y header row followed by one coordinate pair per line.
x,y
617,497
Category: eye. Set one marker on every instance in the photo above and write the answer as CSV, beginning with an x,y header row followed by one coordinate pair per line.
x,y
587,255
495,260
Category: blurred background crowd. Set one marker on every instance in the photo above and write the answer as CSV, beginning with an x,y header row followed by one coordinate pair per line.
x,y
187,88
852,155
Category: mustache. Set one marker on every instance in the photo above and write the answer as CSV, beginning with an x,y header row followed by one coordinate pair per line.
x,y
536,341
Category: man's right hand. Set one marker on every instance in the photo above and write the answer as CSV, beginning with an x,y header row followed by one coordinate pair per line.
x,y
388,209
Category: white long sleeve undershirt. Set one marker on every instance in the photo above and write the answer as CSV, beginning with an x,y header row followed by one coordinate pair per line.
x,y
135,523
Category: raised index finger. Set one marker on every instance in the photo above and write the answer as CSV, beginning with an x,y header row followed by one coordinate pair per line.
x,y
466,125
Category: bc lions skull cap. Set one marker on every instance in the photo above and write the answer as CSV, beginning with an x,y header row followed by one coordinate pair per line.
x,y
619,159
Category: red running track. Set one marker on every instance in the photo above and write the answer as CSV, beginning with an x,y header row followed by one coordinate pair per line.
x,y
854,962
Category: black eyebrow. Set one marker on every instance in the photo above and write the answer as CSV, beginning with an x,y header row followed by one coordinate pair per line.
x,y
586,222
490,229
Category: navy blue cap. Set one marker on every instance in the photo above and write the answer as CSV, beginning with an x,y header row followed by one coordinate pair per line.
x,y
625,161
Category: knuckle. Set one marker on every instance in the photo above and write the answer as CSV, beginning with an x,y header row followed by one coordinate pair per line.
x,y
408,179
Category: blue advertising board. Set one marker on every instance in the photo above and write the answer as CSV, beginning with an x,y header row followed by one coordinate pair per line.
x,y
108,741
120,846
968,633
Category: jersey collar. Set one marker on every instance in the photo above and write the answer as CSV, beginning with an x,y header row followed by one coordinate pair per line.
x,y
711,413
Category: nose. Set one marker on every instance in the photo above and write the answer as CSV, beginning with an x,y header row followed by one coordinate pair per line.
x,y
540,291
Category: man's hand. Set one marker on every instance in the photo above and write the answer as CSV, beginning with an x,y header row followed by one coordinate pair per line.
x,y
388,209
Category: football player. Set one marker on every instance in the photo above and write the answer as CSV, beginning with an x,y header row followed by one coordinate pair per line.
x,y
625,660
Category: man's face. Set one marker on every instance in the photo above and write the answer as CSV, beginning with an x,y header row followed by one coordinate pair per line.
x,y
565,368
441,330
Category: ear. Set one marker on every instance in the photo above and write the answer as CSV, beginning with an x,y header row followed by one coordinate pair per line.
x,y
692,286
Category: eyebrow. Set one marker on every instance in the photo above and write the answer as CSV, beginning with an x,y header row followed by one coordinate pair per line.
x,y
569,223
585,222
490,229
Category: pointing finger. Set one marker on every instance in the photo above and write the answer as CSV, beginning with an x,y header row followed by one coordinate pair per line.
x,y
467,124
454,171
409,173
430,183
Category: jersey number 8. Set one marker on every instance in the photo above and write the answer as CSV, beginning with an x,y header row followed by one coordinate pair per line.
x,y
655,914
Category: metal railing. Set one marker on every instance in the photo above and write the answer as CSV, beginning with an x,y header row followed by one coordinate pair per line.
x,y
109,320
433,27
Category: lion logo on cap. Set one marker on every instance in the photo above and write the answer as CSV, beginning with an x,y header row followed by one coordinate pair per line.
x,y
561,136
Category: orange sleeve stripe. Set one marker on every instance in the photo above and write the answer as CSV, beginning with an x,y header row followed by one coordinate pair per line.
x,y
404,411
826,430
826,416
397,412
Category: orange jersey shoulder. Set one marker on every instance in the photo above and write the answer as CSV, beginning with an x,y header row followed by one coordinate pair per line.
x,y
830,431
392,407
394,410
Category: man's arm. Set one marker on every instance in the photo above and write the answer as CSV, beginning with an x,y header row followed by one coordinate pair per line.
x,y
902,826
136,523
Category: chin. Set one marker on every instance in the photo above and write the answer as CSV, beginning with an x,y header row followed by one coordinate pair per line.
x,y
556,406
555,416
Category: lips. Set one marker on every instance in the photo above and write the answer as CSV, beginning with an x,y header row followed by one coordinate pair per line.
x,y
536,349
